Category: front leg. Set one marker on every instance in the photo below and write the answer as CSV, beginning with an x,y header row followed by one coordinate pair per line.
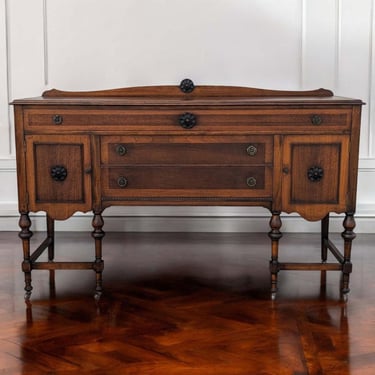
x,y
274,235
98,265
324,238
348,235
51,253
25,234
51,236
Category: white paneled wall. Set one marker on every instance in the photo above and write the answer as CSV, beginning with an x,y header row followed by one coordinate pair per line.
x,y
94,44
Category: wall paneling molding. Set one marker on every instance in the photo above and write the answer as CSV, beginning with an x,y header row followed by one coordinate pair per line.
x,y
299,44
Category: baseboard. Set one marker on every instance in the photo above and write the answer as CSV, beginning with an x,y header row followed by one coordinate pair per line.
x,y
207,219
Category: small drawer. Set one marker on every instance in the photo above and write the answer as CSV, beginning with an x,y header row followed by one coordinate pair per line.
x,y
186,180
205,150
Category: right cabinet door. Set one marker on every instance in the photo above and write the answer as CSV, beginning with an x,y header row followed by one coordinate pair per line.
x,y
315,174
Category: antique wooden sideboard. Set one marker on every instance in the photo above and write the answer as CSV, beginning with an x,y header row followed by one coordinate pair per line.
x,y
288,151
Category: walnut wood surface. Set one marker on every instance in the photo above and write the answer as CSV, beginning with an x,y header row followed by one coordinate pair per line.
x,y
204,91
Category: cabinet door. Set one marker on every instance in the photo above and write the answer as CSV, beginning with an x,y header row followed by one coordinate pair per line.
x,y
315,175
58,174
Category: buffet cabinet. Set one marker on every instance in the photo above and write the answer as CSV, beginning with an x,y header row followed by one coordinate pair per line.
x,y
288,151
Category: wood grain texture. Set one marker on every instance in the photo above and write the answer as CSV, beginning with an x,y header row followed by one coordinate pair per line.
x,y
167,91
187,304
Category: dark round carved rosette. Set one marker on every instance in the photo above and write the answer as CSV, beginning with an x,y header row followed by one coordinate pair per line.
x,y
316,120
315,173
187,120
57,119
187,85
59,173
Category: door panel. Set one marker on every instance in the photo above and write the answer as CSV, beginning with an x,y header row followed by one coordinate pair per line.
x,y
315,175
59,173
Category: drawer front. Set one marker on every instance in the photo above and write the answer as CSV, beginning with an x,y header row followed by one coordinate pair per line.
x,y
203,150
188,119
183,180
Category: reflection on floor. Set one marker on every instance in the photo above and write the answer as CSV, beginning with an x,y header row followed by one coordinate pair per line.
x,y
187,303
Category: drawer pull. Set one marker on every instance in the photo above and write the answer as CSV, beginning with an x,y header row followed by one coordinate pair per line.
x,y
252,150
57,119
316,119
122,182
315,173
59,172
251,182
187,120
121,150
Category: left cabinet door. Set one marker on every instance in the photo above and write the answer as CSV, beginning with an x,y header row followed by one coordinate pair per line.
x,y
58,170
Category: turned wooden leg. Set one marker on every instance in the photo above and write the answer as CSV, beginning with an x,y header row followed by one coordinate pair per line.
x,y
25,234
324,237
274,235
98,235
348,235
51,236
51,254
324,253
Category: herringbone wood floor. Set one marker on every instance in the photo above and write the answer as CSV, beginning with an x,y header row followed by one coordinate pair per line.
x,y
187,304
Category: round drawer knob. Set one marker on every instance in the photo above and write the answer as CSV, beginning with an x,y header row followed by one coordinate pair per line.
x,y
59,172
122,182
57,119
315,173
187,120
187,85
251,182
121,150
251,150
316,119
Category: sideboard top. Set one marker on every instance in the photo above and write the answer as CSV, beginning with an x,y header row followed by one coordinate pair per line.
x,y
187,94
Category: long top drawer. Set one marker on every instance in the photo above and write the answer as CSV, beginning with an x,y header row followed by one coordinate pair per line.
x,y
189,119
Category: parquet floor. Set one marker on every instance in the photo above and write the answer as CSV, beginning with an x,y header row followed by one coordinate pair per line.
x,y
187,304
